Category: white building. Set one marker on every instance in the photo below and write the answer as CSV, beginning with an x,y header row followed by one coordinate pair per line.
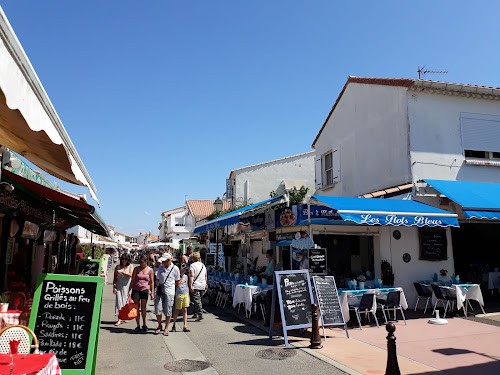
x,y
173,227
384,136
253,184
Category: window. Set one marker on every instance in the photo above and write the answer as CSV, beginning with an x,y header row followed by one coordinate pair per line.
x,y
482,154
480,136
327,169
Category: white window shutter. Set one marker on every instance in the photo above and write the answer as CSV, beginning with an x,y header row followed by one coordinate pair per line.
x,y
318,167
480,132
336,164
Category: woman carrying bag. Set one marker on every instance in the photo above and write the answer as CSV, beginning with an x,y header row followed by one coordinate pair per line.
x,y
142,280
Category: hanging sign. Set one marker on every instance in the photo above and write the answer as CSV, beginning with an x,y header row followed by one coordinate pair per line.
x,y
295,298
89,267
329,303
65,317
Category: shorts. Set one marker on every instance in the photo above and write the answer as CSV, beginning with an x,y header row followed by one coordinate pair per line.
x,y
140,294
181,300
164,304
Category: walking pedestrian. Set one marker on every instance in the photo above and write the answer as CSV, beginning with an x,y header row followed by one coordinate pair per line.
x,y
168,277
197,284
142,280
121,283
182,299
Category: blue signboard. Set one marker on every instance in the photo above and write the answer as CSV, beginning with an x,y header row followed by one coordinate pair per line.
x,y
298,215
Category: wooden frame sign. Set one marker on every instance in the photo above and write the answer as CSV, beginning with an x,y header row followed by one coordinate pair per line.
x,y
329,303
295,299
89,267
66,317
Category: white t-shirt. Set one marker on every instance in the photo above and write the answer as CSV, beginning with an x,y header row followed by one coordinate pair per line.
x,y
194,270
173,275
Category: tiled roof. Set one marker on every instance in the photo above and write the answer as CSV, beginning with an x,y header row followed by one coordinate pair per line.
x,y
395,190
408,82
173,211
204,207
272,161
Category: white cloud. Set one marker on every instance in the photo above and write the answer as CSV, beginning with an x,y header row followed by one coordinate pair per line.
x,y
147,213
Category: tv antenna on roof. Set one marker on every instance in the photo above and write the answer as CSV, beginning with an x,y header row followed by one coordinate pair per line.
x,y
421,71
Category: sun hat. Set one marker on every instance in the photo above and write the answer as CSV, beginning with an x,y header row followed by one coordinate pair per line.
x,y
165,257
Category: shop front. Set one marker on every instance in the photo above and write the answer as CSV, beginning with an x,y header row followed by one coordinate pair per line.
x,y
34,220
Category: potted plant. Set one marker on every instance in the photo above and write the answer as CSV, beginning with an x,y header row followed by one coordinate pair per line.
x,y
387,274
4,302
361,281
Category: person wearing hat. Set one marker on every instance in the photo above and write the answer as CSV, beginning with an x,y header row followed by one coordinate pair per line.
x,y
168,276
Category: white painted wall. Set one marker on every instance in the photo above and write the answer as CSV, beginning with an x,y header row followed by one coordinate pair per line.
x,y
253,184
369,125
405,274
435,137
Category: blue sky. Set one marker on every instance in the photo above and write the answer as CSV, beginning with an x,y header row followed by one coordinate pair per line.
x,y
162,99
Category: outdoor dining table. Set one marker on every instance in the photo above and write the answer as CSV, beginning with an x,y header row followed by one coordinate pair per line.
x,y
493,279
353,297
244,294
464,292
39,364
9,318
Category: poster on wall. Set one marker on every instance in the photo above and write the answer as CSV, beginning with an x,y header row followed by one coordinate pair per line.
x,y
300,259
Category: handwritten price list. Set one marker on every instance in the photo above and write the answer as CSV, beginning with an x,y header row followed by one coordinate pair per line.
x,y
328,300
88,268
64,319
296,299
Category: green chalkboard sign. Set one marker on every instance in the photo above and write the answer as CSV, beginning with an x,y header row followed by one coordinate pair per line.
x,y
66,317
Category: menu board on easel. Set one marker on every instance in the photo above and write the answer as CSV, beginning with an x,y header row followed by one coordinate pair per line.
x,y
65,317
295,298
210,260
89,267
328,302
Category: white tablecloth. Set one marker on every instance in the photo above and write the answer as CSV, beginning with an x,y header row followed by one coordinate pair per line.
x,y
464,292
244,294
494,280
353,297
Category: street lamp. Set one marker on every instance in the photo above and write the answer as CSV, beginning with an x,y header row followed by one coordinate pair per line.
x,y
218,208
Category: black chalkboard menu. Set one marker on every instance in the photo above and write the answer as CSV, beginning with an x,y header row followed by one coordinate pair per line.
x,y
433,244
328,301
210,261
66,318
317,261
89,267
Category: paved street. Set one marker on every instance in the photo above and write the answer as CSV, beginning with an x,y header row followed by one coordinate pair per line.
x,y
228,344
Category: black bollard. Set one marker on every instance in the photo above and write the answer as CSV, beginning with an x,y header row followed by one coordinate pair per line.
x,y
392,358
315,336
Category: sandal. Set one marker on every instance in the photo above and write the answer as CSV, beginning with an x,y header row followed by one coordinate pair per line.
x,y
145,328
186,329
165,333
158,330
137,329
173,329
118,323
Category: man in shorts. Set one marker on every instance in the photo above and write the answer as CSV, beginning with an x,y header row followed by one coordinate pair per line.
x,y
168,276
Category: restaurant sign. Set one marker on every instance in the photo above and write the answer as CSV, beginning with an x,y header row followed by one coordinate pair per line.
x,y
299,215
28,173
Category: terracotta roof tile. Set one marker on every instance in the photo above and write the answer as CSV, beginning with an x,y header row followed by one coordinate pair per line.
x,y
204,207
395,190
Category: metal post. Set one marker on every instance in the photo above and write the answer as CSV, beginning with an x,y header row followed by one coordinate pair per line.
x,y
392,358
315,336
216,248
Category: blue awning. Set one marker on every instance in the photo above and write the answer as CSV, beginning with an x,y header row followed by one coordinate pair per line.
x,y
374,211
233,217
478,199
